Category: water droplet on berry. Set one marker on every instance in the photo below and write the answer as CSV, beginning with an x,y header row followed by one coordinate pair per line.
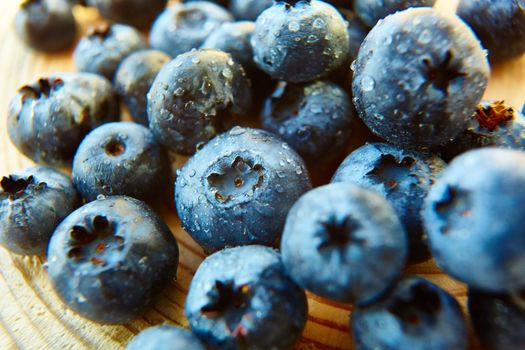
x,y
368,83
294,26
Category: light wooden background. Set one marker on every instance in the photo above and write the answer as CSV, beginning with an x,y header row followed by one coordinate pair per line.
x,y
31,316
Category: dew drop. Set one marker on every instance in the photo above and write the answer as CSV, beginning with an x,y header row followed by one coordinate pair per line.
x,y
368,83
293,26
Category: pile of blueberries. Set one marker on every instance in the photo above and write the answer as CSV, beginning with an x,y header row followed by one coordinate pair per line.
x,y
434,170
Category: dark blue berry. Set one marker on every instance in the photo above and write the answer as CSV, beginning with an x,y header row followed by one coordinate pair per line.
x,y
223,3
48,119
234,38
357,32
493,124
121,159
32,203
165,337
195,97
138,13
299,41
418,78
249,9
344,242
499,25
473,217
104,47
242,298
183,27
416,315
46,25
238,189
402,177
372,11
314,118
498,319
110,259
134,78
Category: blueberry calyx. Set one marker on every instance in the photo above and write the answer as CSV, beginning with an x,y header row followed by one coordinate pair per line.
x,y
423,303
338,234
190,18
115,147
15,187
43,88
228,301
390,171
243,176
493,115
442,74
102,31
94,241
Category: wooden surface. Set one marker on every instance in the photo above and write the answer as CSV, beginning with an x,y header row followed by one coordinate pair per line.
x,y
31,316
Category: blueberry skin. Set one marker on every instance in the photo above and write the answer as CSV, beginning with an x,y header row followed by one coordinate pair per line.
x,y
137,13
238,189
195,97
499,25
46,25
344,242
234,38
134,78
371,11
498,319
299,41
109,260
165,337
223,3
121,159
416,315
493,124
314,118
473,217
183,27
249,9
402,177
48,119
32,204
418,78
103,49
242,298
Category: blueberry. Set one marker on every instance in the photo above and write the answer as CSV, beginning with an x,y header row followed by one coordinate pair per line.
x,y
48,119
46,25
110,259
238,189
416,315
195,97
234,38
104,47
242,298
344,242
498,319
402,177
134,78
32,203
249,9
121,159
371,11
418,78
298,40
499,24
493,124
183,27
138,13
165,337
473,217
314,118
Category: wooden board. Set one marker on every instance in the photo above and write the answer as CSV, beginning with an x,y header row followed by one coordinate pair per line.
x,y
31,316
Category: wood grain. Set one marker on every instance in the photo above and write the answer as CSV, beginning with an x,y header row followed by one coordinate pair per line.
x,y
31,316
